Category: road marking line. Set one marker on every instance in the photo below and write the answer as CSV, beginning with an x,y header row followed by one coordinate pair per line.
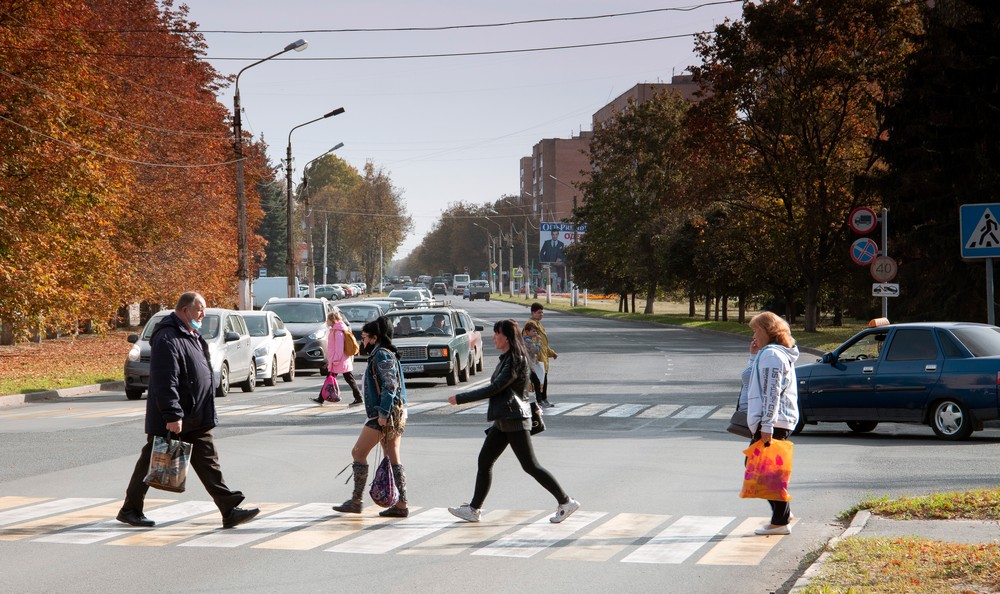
x,y
466,535
345,410
588,410
112,412
310,410
452,409
9,501
108,529
538,536
660,411
680,540
475,410
161,536
136,413
54,523
562,408
47,509
606,540
425,406
232,407
413,528
724,413
742,546
334,529
264,408
261,528
693,412
624,410
282,410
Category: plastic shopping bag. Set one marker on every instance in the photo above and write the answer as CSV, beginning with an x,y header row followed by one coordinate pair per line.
x,y
330,390
768,470
168,464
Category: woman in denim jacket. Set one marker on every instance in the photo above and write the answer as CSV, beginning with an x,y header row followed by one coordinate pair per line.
x,y
385,411
511,416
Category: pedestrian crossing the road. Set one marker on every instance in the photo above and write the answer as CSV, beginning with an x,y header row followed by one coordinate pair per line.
x,y
606,410
587,535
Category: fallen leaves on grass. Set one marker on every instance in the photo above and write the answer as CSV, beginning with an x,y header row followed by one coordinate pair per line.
x,y
977,504
63,362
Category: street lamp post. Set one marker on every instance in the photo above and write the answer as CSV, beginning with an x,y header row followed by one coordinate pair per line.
x,y
305,192
243,251
568,269
292,289
490,255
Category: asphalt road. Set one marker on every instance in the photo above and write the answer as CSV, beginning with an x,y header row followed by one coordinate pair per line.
x,y
637,436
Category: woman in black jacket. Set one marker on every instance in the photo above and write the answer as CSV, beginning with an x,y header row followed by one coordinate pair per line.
x,y
511,416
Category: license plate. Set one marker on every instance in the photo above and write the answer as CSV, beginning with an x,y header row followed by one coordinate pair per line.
x,y
413,368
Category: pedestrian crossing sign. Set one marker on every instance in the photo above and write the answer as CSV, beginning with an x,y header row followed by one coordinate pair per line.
x,y
980,228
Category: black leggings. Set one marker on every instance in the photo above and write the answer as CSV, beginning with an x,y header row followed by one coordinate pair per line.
x,y
520,441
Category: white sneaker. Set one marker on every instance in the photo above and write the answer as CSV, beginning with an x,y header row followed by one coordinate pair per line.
x,y
565,510
773,530
466,512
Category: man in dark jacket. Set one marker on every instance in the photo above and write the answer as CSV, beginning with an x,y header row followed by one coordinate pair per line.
x,y
181,400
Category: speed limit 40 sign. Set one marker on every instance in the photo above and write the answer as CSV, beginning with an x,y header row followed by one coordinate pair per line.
x,y
884,269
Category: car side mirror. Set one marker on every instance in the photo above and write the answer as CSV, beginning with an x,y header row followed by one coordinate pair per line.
x,y
479,328
280,332
829,358
460,331
133,338
232,337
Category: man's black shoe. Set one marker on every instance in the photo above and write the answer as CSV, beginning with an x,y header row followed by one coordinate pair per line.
x,y
238,515
134,518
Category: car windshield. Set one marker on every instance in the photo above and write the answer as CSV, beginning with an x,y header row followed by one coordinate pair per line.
x,y
298,313
427,324
209,326
982,341
257,325
359,313
407,295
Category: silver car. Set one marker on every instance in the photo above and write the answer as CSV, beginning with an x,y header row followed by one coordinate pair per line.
x,y
273,349
229,349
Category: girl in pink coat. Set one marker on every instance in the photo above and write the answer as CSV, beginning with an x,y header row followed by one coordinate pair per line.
x,y
337,361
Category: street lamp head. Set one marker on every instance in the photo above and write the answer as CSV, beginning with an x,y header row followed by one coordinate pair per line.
x,y
337,111
298,46
339,145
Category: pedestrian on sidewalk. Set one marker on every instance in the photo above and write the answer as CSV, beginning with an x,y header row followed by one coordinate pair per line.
x,y
385,409
511,416
772,397
337,361
181,401
545,353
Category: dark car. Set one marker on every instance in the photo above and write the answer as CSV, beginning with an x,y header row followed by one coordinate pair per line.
x,y
357,314
305,319
942,374
479,289
435,342
439,289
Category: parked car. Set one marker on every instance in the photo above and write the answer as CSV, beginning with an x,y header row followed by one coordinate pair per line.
x,y
386,303
331,292
273,348
475,342
439,289
412,298
357,314
305,318
479,289
229,351
434,343
942,374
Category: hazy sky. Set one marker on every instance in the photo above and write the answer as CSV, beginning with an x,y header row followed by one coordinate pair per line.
x,y
444,128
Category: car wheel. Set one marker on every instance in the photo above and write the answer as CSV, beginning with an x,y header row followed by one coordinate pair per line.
x,y
452,377
479,364
324,370
133,394
951,420
463,374
290,376
251,384
487,297
223,390
800,425
273,378
862,426
472,362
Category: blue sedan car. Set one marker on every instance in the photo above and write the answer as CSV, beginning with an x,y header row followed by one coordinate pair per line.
x,y
942,374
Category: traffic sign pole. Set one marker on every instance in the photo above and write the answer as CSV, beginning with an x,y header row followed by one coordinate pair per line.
x,y
885,252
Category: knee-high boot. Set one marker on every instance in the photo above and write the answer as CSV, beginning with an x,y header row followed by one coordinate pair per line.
x,y
353,505
399,510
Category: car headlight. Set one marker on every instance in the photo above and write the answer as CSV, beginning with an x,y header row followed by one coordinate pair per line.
x,y
318,334
260,351
133,354
437,352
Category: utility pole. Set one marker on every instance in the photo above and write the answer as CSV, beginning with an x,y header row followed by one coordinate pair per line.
x,y
511,260
326,229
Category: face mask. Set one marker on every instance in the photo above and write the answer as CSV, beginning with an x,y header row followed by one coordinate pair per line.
x,y
366,349
196,324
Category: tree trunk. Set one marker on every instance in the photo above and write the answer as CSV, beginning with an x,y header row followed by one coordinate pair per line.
x,y
650,298
708,306
633,301
812,306
725,308
691,304
743,308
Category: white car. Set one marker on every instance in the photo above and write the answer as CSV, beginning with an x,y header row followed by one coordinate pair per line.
x,y
273,349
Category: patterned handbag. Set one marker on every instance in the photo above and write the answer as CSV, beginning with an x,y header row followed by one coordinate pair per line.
x,y
330,390
383,490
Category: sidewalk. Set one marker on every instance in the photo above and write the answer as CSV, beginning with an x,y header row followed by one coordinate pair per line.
x,y
19,399
865,525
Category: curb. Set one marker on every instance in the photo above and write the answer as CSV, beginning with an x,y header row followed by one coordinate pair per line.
x,y
858,524
19,399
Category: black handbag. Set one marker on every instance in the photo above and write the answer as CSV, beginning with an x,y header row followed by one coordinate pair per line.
x,y
537,425
738,424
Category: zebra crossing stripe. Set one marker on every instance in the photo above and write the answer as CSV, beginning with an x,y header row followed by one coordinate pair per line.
x,y
262,527
109,413
337,528
108,529
725,413
234,411
680,540
588,410
475,410
741,546
345,410
425,406
24,514
659,411
53,523
562,408
377,542
538,536
624,410
608,539
282,410
465,535
10,501
694,412
171,533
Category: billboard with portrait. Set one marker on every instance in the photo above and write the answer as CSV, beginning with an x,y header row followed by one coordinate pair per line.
x,y
553,240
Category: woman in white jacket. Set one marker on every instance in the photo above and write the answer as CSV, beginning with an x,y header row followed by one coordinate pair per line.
x,y
772,397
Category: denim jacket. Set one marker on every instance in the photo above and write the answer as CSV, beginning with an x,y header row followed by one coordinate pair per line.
x,y
380,392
